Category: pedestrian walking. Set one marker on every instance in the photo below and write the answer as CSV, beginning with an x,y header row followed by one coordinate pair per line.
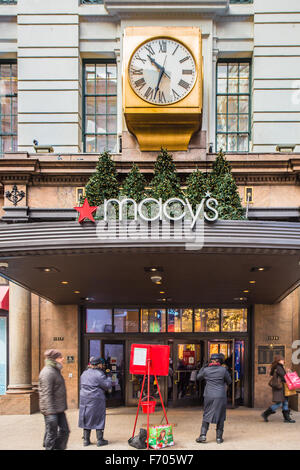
x,y
215,396
53,401
92,406
278,391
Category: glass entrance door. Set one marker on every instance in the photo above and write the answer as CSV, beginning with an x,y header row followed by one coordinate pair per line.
x,y
186,361
234,351
113,353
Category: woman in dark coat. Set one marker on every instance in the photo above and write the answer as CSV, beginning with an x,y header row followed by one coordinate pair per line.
x,y
92,402
278,398
215,396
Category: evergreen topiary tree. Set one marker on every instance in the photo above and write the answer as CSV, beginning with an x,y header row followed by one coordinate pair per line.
x,y
134,185
224,189
103,184
197,186
165,183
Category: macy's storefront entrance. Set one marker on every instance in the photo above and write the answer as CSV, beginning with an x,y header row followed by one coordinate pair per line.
x,y
192,334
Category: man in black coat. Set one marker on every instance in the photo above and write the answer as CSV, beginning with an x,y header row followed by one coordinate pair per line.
x,y
92,406
53,401
215,396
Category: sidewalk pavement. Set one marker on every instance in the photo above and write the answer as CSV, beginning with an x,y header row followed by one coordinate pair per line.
x,y
244,430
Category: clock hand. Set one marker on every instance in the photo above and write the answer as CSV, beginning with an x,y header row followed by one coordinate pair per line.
x,y
153,62
162,71
158,82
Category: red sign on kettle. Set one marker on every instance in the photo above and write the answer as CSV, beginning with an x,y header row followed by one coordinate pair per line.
x,y
158,355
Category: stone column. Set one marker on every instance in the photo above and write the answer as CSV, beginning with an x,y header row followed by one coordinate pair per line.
x,y
19,339
20,398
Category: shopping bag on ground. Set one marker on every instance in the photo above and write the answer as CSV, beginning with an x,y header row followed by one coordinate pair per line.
x,y
292,380
139,442
161,436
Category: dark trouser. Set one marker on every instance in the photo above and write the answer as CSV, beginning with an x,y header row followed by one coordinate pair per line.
x,y
56,432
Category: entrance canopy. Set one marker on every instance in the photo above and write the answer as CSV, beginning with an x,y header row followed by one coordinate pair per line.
x,y
240,263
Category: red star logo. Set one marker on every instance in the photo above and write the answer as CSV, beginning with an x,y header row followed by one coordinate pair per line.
x,y
86,211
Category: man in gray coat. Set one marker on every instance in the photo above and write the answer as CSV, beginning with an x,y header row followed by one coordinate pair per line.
x,y
92,405
215,396
53,401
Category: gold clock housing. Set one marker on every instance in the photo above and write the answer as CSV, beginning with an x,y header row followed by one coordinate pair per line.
x,y
162,92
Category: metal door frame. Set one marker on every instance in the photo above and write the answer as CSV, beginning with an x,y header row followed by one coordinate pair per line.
x,y
175,342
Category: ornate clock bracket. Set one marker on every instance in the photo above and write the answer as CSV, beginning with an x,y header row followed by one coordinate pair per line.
x,y
171,131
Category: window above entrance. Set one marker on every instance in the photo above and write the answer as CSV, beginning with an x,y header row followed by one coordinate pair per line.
x,y
166,320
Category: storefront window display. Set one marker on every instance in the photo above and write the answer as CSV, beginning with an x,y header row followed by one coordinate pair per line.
x,y
126,320
153,320
171,320
234,319
180,320
99,321
207,319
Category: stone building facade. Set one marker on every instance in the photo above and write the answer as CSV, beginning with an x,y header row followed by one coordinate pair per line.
x,y
52,59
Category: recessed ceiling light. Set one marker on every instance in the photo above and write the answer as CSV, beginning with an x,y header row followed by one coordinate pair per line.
x,y
162,292
252,282
47,269
156,278
65,282
76,291
260,268
158,282
149,269
245,291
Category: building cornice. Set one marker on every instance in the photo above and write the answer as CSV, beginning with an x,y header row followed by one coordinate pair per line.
x,y
75,169
128,7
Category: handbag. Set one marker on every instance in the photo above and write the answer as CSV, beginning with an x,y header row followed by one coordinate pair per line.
x,y
275,381
288,392
292,380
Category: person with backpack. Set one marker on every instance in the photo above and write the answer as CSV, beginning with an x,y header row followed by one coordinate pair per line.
x,y
277,383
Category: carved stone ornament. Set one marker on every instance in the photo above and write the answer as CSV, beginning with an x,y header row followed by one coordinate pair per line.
x,y
15,196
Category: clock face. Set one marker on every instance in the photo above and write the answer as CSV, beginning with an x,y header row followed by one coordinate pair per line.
x,y
162,71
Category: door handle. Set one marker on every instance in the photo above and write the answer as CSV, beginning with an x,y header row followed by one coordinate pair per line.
x,y
132,378
178,377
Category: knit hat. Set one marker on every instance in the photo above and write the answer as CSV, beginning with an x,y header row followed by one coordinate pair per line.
x,y
95,361
52,354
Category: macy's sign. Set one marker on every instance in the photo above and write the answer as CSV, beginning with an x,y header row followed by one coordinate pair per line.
x,y
151,209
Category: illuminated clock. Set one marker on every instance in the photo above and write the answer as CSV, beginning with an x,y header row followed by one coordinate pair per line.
x,y
162,71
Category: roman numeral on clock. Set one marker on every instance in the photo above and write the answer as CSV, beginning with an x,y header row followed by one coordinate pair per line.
x,y
149,49
162,46
175,49
161,97
187,72
137,71
184,84
175,95
140,83
184,59
137,57
149,93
